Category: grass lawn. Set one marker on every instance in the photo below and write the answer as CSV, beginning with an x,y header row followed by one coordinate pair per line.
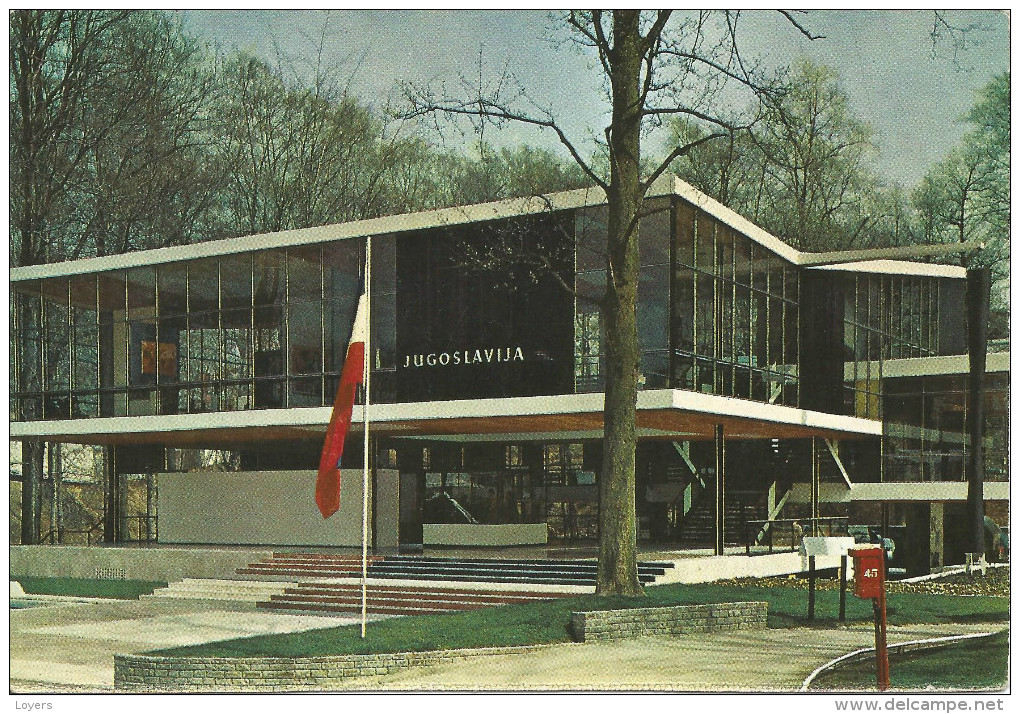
x,y
548,622
966,665
79,587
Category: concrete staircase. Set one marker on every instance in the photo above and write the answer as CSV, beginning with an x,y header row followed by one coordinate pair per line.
x,y
345,598
434,569
287,566
247,592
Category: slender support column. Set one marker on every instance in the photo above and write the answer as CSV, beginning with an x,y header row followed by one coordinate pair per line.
x,y
111,505
978,283
720,490
815,481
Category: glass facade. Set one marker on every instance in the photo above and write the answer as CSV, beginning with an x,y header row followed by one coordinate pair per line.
x,y
717,313
735,313
246,331
925,428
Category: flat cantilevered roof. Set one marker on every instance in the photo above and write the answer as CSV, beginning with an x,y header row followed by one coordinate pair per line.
x,y
668,414
459,215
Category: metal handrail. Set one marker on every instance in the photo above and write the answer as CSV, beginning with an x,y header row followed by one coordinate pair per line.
x,y
826,526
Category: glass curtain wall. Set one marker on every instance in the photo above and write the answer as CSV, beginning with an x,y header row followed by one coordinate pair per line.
x,y
926,428
885,317
653,307
735,313
244,331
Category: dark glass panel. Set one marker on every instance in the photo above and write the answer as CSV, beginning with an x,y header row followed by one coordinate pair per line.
x,y
791,285
790,330
384,264
203,285
655,370
706,243
655,235
269,277
304,274
83,293
237,344
742,325
304,327
683,309
269,393
775,349
84,405
112,296
724,239
683,373
235,280
653,308
726,323
591,284
741,259
172,283
705,376
684,243
741,382
305,392
85,357
705,318
384,330
759,330
776,274
591,231
141,287
762,385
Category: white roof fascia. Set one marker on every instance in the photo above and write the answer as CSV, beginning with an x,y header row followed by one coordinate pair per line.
x,y
457,215
898,491
777,413
736,221
925,491
897,267
460,215
947,364
316,418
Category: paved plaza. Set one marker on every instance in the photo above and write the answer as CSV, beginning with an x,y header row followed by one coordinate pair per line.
x,y
70,647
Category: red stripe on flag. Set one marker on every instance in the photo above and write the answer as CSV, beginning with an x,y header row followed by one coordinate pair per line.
x,y
327,486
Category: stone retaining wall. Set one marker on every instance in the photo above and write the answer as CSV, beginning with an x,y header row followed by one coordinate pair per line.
x,y
275,674
603,625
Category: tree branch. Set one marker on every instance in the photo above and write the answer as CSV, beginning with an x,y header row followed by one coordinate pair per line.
x,y
803,30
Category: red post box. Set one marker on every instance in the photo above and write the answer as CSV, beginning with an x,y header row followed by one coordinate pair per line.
x,y
869,571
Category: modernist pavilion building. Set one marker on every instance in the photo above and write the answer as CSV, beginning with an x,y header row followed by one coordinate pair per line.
x,y
772,386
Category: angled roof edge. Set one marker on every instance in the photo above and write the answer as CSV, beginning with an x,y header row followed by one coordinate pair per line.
x,y
456,215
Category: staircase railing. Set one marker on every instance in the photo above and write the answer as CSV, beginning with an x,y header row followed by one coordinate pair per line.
x,y
789,532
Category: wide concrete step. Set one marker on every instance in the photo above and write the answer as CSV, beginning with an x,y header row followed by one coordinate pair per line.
x,y
215,589
498,596
298,608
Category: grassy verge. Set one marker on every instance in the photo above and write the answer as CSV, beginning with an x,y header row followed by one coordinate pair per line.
x,y
968,665
79,587
548,622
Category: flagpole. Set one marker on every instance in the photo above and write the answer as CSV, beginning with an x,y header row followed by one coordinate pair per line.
x,y
364,419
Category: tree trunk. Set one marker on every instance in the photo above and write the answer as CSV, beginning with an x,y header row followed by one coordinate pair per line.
x,y
617,571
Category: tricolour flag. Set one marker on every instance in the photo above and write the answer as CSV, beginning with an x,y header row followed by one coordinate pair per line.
x,y
327,487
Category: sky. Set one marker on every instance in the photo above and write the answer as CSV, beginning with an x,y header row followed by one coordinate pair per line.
x,y
914,93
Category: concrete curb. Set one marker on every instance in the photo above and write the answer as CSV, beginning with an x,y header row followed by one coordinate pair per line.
x,y
925,644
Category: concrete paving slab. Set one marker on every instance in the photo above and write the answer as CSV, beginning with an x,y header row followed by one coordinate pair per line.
x,y
760,661
192,629
71,646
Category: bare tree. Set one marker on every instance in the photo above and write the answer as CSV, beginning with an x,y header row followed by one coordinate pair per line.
x,y
655,66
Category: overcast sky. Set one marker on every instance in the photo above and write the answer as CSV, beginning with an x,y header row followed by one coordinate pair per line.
x,y
913,97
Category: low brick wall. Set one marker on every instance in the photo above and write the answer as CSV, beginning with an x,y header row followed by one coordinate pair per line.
x,y
603,625
275,674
